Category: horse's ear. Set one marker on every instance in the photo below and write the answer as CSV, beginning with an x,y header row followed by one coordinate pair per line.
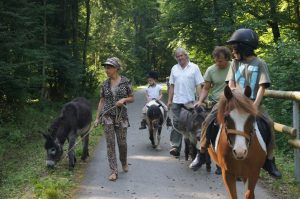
x,y
228,92
247,91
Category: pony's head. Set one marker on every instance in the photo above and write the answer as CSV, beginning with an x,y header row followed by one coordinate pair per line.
x,y
155,116
236,114
53,147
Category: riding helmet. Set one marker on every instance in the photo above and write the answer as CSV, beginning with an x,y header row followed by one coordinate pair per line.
x,y
244,36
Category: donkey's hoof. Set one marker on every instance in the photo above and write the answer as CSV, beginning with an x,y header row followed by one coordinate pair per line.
x,y
208,168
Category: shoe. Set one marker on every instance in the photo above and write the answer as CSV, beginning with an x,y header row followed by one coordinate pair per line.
x,y
169,123
174,152
125,167
198,161
218,170
271,168
113,177
143,124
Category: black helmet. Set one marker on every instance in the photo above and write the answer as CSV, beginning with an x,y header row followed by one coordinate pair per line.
x,y
153,74
245,36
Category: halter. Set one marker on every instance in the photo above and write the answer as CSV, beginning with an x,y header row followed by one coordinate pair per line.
x,y
237,132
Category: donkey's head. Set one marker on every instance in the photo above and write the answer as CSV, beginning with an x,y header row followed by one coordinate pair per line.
x,y
54,148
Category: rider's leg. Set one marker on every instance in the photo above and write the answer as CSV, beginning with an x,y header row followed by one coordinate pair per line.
x,y
270,165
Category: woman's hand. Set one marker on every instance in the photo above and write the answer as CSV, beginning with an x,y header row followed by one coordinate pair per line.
x,y
96,122
121,102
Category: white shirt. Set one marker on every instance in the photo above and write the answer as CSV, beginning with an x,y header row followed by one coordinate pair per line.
x,y
153,91
185,81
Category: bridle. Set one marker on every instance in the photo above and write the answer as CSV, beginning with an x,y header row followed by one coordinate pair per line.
x,y
248,136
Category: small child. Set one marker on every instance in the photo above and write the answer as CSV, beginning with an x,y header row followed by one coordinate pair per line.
x,y
154,91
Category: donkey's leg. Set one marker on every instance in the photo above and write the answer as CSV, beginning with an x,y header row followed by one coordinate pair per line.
x,y
207,161
85,148
230,184
186,148
71,153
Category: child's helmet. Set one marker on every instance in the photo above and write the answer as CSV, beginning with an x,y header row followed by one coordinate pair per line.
x,y
153,74
245,36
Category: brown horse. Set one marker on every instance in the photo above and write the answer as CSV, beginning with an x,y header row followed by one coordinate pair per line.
x,y
239,150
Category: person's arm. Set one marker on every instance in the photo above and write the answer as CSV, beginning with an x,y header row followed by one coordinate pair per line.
x,y
170,96
122,101
231,84
260,95
198,90
160,94
147,96
203,94
99,109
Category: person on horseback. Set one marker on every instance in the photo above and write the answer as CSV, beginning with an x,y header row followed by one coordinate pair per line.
x,y
247,69
214,77
154,91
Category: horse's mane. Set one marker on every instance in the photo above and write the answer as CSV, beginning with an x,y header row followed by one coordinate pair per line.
x,y
238,101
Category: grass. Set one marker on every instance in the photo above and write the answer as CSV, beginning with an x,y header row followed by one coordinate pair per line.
x,y
22,168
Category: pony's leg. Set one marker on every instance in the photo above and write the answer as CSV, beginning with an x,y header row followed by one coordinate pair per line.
x,y
251,182
230,184
71,153
158,138
151,135
85,148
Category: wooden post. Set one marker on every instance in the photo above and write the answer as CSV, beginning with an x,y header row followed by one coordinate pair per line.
x,y
296,151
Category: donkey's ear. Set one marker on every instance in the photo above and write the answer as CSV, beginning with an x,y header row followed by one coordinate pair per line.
x,y
228,93
247,91
46,136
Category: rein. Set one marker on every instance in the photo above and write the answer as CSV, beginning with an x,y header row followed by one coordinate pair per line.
x,y
118,116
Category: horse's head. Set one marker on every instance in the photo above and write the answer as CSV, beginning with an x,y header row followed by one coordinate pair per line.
x,y
236,114
54,148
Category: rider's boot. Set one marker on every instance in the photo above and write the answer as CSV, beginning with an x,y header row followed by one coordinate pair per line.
x,y
143,124
271,168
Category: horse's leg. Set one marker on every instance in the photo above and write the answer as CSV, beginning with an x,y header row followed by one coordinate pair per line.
x,y
158,138
71,153
85,147
186,148
251,183
230,184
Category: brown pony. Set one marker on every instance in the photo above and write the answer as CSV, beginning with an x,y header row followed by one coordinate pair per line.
x,y
239,150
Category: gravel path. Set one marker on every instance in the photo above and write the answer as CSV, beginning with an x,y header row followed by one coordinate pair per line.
x,y
152,173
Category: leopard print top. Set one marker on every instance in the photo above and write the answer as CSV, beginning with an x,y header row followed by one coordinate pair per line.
x,y
123,90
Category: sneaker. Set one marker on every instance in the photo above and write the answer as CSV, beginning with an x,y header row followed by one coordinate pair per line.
x,y
174,152
169,122
143,124
125,167
198,161
271,168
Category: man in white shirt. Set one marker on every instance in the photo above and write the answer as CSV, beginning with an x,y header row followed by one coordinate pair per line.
x,y
185,78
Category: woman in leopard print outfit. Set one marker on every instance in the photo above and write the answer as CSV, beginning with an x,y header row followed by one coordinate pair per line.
x,y
115,92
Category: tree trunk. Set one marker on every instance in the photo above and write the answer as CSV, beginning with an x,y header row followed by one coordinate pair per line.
x,y
43,91
273,22
75,11
86,35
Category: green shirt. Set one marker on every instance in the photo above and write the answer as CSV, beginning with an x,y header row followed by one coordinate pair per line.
x,y
216,77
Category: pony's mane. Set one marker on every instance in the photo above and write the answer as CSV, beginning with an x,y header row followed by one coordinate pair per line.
x,y
239,101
